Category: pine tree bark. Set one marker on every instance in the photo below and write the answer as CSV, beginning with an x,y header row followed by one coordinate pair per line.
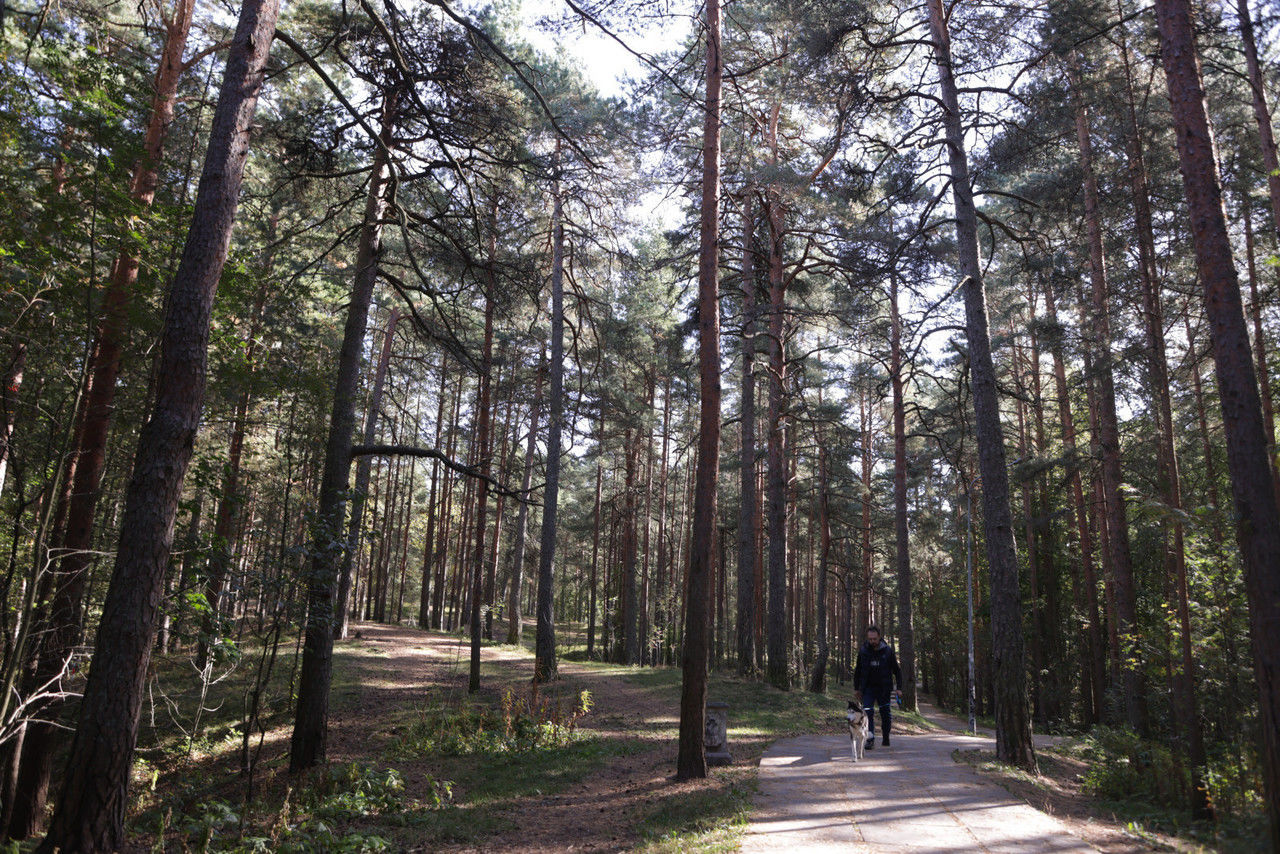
x,y
778,672
484,461
311,717
818,679
906,631
1094,674
429,548
545,638
91,807
1252,486
1108,436
66,619
1169,481
1013,727
691,760
1261,110
364,467
747,454
515,622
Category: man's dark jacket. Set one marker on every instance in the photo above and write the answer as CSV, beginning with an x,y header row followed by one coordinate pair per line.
x,y
877,671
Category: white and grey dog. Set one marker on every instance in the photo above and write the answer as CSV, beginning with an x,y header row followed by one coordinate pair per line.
x,y
858,729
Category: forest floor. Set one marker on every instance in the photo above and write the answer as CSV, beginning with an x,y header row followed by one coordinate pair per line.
x,y
398,697
416,764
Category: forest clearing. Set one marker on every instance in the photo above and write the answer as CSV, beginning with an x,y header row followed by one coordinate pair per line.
x,y
446,424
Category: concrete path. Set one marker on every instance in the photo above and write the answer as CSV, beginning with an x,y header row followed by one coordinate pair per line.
x,y
910,797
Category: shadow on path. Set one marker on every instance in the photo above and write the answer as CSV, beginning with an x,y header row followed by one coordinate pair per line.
x,y
910,797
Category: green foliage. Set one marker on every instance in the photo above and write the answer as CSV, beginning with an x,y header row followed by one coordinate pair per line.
x,y
326,818
1125,767
522,724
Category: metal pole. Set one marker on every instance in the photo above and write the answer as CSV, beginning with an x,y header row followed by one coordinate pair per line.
x,y
968,517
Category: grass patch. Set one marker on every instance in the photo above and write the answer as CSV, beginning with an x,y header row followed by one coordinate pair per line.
x,y
709,820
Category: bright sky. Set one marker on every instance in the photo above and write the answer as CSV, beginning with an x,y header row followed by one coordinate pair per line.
x,y
603,60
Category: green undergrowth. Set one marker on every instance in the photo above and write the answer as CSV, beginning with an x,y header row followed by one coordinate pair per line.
x,y
344,809
526,746
710,820
1140,781
521,724
1137,784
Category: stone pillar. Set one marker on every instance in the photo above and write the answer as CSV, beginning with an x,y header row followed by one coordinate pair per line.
x,y
717,734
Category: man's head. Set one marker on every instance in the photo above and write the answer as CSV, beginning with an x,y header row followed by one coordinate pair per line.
x,y
873,635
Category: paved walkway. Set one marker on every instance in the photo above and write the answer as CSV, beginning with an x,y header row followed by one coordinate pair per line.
x,y
910,797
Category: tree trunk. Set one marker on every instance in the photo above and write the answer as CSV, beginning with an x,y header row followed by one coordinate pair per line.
x,y
747,455
1260,342
818,681
630,589
229,499
91,807
1257,516
364,467
66,619
691,761
484,457
1261,111
1094,671
1185,699
906,632
1108,436
545,639
429,549
514,624
311,719
776,629
9,404
1013,727
595,548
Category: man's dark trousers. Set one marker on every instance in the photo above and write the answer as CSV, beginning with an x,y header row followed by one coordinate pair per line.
x,y
871,698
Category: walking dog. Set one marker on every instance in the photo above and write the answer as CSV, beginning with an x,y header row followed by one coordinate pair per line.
x,y
859,732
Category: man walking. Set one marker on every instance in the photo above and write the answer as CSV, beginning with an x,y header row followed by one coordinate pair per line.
x,y
877,678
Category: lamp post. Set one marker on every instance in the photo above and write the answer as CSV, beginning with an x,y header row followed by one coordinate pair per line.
x,y
968,518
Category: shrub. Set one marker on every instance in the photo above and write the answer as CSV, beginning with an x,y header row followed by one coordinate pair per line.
x,y
1125,767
